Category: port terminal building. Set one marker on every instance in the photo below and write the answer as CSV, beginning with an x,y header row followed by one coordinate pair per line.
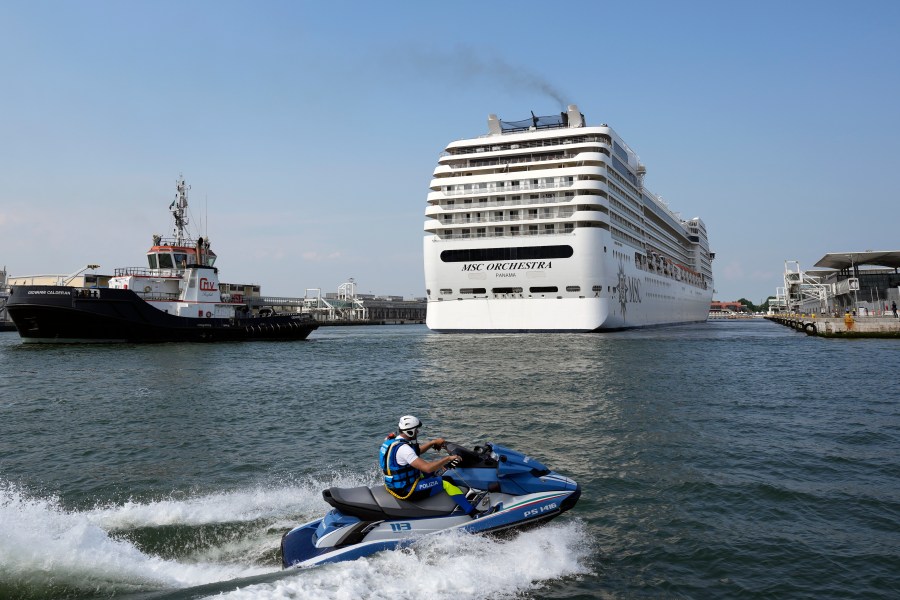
x,y
864,283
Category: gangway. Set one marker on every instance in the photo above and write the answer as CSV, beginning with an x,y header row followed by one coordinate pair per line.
x,y
345,307
803,292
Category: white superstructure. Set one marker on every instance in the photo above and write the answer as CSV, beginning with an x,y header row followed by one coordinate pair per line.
x,y
545,225
181,279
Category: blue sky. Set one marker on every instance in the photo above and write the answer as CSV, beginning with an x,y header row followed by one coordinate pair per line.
x,y
309,131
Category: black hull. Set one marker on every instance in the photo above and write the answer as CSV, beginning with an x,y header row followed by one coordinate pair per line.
x,y
64,314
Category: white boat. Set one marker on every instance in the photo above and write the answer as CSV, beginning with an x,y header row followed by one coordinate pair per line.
x,y
545,225
176,299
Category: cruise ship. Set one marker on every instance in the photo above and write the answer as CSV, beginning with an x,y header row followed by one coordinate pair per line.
x,y
544,225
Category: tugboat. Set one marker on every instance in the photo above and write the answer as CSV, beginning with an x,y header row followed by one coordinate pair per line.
x,y
175,299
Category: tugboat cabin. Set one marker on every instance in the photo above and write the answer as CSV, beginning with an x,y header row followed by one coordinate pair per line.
x,y
166,253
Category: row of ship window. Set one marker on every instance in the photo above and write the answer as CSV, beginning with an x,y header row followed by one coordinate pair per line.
x,y
533,144
545,289
517,199
514,215
513,230
499,186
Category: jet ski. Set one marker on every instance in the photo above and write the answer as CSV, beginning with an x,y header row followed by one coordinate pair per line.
x,y
508,489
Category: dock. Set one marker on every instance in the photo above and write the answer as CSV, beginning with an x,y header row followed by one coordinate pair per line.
x,y
850,295
848,326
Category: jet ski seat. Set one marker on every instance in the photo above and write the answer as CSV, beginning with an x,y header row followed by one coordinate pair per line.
x,y
377,504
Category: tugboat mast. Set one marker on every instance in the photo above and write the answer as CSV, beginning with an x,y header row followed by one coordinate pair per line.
x,y
179,211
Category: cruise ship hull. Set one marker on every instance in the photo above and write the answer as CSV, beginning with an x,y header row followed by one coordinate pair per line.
x,y
598,288
543,315
56,314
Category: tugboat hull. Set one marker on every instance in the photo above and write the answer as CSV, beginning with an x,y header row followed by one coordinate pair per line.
x,y
57,314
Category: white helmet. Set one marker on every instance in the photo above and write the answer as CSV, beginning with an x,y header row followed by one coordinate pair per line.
x,y
408,425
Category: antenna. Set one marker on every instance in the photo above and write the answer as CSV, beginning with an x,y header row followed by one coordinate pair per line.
x,y
179,208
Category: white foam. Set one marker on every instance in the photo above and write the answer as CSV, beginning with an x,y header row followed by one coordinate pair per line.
x,y
42,545
291,501
453,565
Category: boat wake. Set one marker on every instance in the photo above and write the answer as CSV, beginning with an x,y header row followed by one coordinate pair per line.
x,y
170,546
447,565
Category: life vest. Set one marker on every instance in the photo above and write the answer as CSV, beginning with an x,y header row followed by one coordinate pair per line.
x,y
398,479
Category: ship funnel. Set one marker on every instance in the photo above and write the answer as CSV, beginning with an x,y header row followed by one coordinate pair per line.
x,y
576,119
493,125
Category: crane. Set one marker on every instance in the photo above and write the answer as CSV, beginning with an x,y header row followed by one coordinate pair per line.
x,y
67,280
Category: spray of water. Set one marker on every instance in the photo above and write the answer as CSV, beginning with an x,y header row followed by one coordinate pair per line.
x,y
208,545
45,548
451,565
48,550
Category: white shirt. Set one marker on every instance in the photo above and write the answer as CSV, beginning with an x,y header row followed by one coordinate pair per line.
x,y
406,455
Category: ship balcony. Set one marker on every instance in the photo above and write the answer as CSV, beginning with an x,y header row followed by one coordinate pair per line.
x,y
433,210
591,158
479,189
444,236
563,213
570,177
491,143
594,161
504,158
472,181
522,147
491,165
484,206
591,215
593,185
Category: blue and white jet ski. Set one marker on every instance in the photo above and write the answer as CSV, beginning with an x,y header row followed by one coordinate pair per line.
x,y
509,490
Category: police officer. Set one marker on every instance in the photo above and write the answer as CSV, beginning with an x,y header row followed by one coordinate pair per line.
x,y
408,476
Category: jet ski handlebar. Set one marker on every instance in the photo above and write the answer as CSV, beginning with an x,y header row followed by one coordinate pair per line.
x,y
479,456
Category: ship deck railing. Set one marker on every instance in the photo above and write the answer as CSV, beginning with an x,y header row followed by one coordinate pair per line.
x,y
500,162
491,234
522,187
507,145
521,202
185,242
157,296
147,272
563,214
97,293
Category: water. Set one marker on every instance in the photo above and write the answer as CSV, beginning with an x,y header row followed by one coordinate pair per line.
x,y
733,459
